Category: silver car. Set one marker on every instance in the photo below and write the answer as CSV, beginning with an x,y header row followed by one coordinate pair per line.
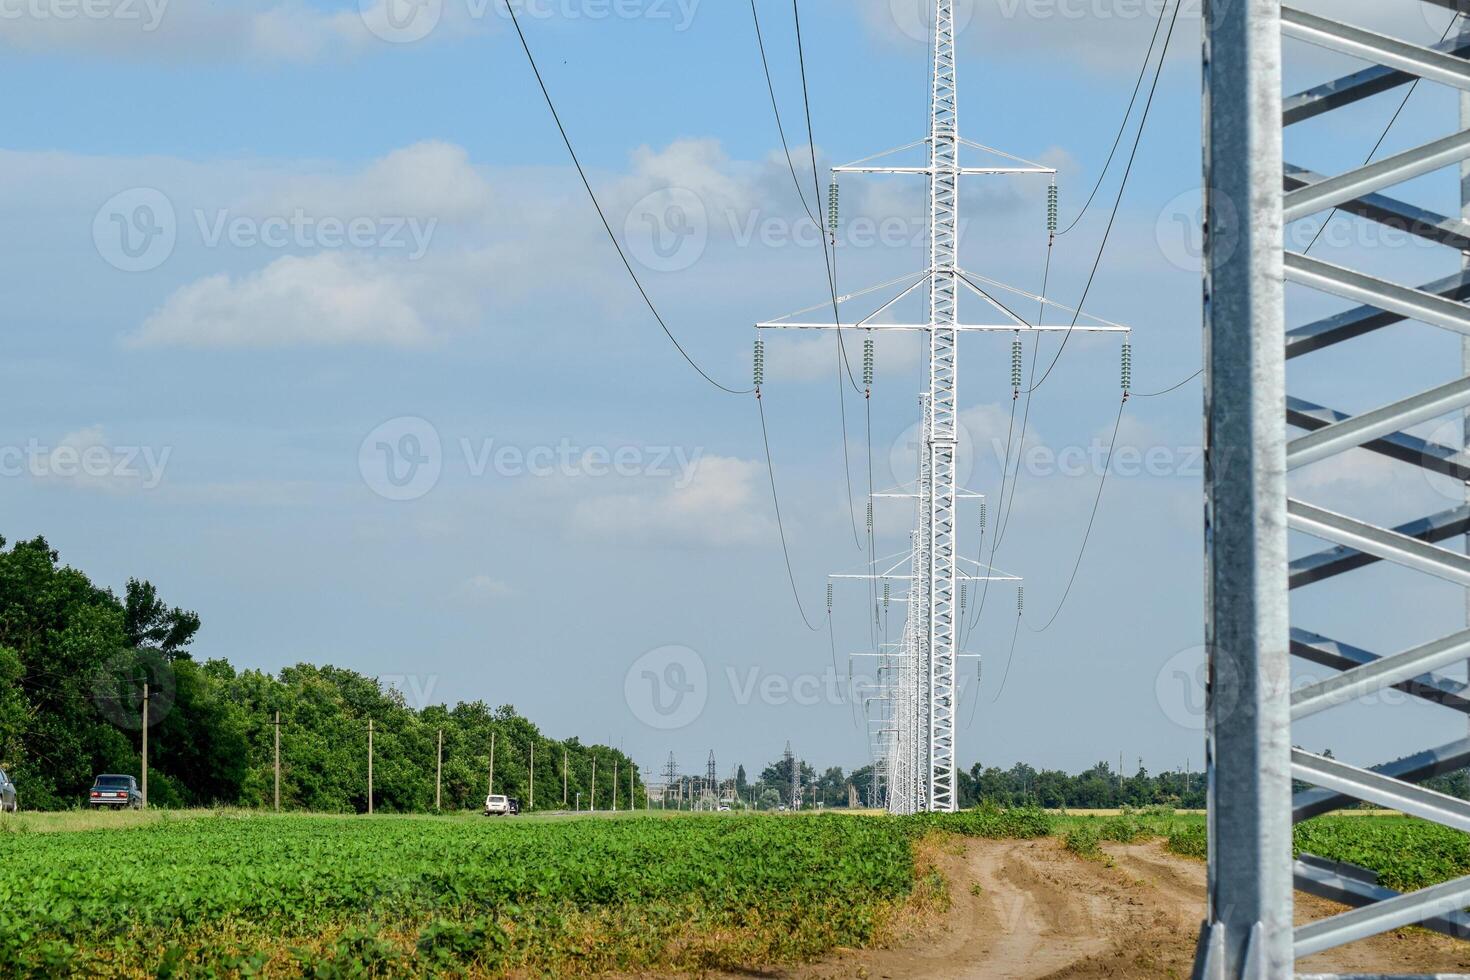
x,y
9,802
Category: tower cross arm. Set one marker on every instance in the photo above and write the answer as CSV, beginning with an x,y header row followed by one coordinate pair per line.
x,y
963,171
966,327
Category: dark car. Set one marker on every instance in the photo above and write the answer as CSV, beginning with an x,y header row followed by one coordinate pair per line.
x,y
116,791
515,806
9,802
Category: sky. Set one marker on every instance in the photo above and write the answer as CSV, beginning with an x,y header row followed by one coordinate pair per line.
x,y
310,322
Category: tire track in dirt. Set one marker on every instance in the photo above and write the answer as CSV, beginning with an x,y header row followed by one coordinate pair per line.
x,y
1031,910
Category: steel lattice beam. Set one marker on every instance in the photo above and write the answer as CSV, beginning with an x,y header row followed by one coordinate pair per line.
x,y
1335,561
1247,724
1405,448
1327,652
1365,319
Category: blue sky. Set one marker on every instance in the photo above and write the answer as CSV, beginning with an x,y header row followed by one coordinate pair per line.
x,y
367,233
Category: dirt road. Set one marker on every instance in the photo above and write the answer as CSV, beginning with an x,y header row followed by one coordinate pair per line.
x,y
1033,910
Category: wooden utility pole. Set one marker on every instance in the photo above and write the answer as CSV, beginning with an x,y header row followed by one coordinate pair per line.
x,y
491,791
532,793
615,784
278,761
439,771
370,767
594,784
145,744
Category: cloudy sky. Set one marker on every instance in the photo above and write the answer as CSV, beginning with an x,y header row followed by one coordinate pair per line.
x,y
310,321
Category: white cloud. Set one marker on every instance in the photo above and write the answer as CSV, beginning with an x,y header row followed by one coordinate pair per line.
x,y
328,299
721,507
431,180
291,31
184,30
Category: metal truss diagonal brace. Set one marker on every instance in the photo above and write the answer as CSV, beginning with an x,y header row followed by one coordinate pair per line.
x,y
1380,542
1372,787
1414,304
1327,652
1381,917
1380,674
1353,432
1389,51
1395,169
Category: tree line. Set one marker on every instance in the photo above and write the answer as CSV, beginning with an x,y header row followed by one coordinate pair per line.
x,y
74,662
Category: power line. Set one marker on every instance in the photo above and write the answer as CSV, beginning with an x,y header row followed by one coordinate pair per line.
x,y
780,524
1122,125
811,142
556,117
1117,202
828,259
775,110
1155,394
1010,658
1087,535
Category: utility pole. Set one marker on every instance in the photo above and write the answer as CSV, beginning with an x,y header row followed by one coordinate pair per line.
x,y
563,777
439,772
145,743
594,784
278,761
370,767
532,792
491,791
615,784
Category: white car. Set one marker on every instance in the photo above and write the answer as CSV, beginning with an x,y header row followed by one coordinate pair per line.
x,y
497,806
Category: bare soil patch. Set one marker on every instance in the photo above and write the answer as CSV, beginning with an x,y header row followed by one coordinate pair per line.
x,y
1031,910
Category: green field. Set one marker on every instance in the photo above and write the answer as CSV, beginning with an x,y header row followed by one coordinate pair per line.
x,y
238,893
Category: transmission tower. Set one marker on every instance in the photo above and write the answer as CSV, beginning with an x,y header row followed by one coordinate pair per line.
x,y
927,731
794,767
670,776
1250,632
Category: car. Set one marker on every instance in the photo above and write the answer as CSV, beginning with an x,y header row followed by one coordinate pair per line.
x,y
497,806
724,808
116,791
515,805
9,802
